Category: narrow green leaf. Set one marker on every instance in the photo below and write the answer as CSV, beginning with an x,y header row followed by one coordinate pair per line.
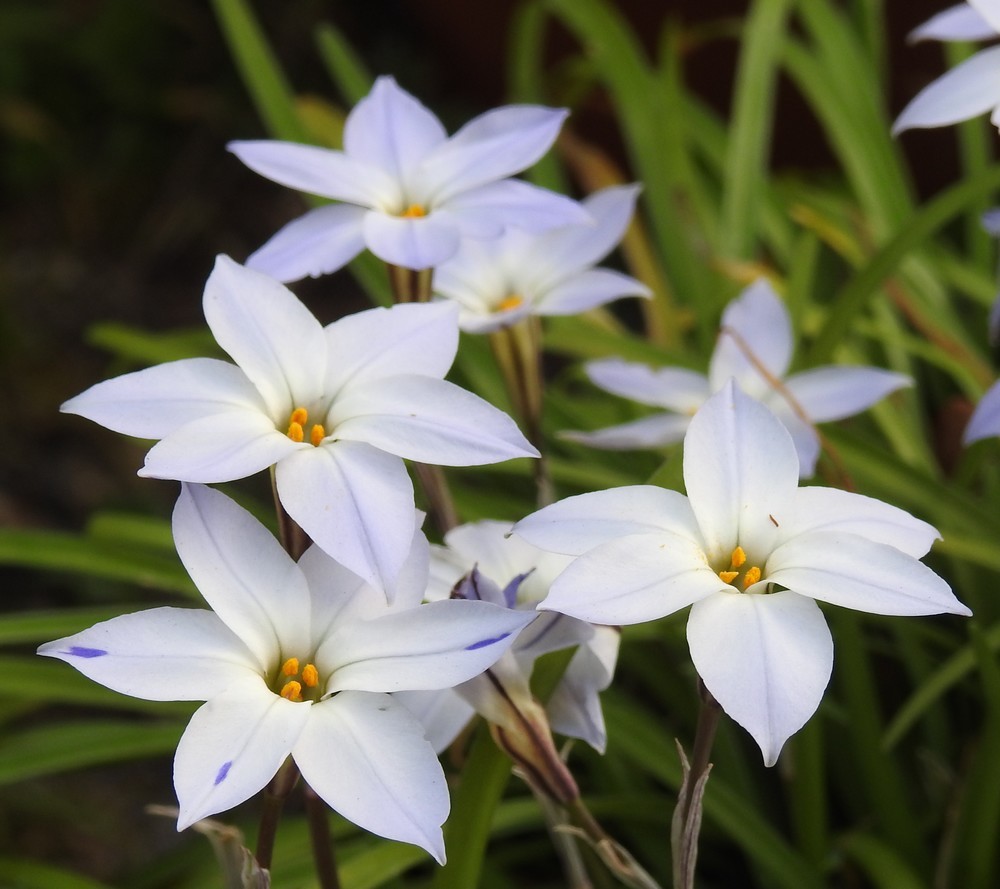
x,y
885,867
20,873
343,64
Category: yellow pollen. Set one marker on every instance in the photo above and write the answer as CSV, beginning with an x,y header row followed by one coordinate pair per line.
x,y
295,423
510,302
290,667
295,431
310,675
739,557
300,415
751,577
317,434
728,576
414,211
292,691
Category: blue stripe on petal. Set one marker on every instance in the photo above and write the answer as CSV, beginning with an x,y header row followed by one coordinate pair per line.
x,y
221,775
80,651
482,643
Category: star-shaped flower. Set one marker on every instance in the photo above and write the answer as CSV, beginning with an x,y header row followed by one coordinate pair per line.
x,y
481,562
497,282
968,90
336,408
755,348
750,552
406,190
295,659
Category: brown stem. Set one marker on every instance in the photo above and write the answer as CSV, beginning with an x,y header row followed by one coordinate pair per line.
x,y
274,800
410,285
294,540
321,839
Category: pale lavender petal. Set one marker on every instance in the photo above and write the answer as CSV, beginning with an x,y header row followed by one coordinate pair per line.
x,y
366,756
443,714
633,580
232,747
549,631
741,471
164,654
411,243
391,129
320,171
577,524
656,431
219,448
755,330
589,289
970,89
989,10
494,145
959,22
356,503
433,421
804,435
845,569
318,243
985,420
416,338
154,402
832,393
243,573
269,333
766,660
673,388
481,212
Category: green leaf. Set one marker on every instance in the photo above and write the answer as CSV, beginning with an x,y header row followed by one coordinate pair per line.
x,y
20,873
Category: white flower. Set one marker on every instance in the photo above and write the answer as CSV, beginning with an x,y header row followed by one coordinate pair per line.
x,y
479,561
970,89
758,322
498,282
334,407
295,659
408,191
750,551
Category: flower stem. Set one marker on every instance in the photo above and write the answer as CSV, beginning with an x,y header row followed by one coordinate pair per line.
x,y
322,840
686,824
410,285
274,800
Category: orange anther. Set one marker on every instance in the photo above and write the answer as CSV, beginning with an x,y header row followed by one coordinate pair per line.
x,y
310,675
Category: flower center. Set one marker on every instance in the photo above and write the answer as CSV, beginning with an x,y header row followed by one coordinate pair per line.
x,y
740,574
297,427
508,303
295,684
414,211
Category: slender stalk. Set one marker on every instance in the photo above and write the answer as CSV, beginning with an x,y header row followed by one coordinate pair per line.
x,y
410,285
274,801
321,839
293,539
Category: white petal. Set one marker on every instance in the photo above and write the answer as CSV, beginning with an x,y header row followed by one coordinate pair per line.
x,y
765,659
741,472
845,569
756,321
549,631
512,202
416,338
673,388
366,756
320,242
960,22
433,421
632,580
657,431
219,448
830,509
411,243
320,171
443,714
269,334
243,573
577,524
154,402
492,146
989,10
437,645
391,129
832,393
164,654
970,89
589,289
985,420
232,747
356,503
804,435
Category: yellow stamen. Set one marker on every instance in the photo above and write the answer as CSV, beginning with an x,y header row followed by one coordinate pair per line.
x,y
751,577
295,423
317,434
290,667
292,691
310,675
739,557
295,432
728,576
510,302
300,415
414,211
